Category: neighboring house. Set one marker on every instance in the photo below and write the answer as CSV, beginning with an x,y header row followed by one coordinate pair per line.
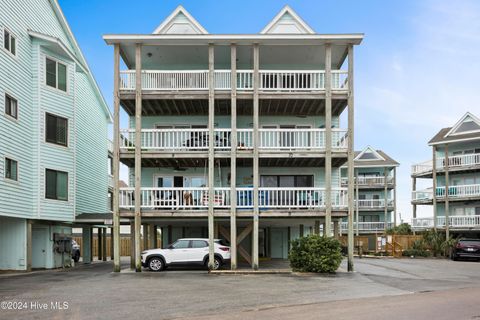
x,y
238,136
375,194
454,172
53,153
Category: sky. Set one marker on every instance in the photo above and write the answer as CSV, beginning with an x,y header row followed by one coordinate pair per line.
x,y
415,72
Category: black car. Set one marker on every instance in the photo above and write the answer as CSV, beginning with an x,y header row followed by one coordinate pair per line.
x,y
466,248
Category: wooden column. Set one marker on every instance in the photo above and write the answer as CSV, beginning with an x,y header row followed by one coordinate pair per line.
x,y
316,229
434,178
152,234
145,236
394,196
132,244
99,244
111,243
385,197
328,140
336,228
447,200
351,156
87,254
301,231
138,154
104,244
256,140
414,188
116,158
29,246
211,153
233,159
356,204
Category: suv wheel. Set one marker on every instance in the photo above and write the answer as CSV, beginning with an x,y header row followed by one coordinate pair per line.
x,y
217,263
155,264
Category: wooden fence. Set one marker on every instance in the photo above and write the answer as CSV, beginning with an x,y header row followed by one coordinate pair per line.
x,y
124,245
369,242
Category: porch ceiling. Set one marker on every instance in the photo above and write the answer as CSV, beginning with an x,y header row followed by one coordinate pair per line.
x,y
274,107
225,162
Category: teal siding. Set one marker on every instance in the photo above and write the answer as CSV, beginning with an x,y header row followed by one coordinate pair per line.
x,y
13,239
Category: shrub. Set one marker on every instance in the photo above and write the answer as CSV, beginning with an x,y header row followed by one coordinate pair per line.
x,y
402,229
315,254
437,242
416,253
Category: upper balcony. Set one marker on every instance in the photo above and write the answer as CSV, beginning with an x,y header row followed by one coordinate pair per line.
x,y
455,193
455,163
197,140
198,80
371,182
455,222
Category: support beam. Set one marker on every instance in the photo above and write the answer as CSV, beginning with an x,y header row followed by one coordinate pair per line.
x,y
357,207
414,188
394,196
434,181
233,158
256,143
29,246
145,236
153,236
328,139
99,244
316,229
104,244
385,196
111,244
116,158
138,154
132,244
211,154
447,200
351,155
87,244
336,228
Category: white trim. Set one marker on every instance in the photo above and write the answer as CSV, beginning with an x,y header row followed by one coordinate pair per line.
x,y
5,157
168,21
11,118
460,122
379,157
296,17
443,142
67,75
12,34
67,147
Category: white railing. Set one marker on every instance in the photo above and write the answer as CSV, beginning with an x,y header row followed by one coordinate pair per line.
x,y
188,198
468,190
373,203
197,139
276,80
422,167
472,221
369,180
367,226
464,160
426,194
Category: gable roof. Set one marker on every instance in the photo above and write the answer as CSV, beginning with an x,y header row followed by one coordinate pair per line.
x,y
369,154
180,22
381,160
287,21
467,128
79,56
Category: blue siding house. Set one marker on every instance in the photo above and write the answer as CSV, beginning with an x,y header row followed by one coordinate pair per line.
x,y
53,155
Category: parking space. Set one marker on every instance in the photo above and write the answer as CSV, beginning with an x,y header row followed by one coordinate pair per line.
x,y
93,291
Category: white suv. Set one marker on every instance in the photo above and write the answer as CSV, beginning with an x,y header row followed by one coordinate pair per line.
x,y
192,251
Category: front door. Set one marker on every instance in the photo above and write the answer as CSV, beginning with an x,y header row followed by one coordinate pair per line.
x,y
39,247
278,243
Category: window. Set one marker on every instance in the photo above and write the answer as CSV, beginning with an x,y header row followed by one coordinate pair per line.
x,y
56,185
56,74
9,42
181,244
11,169
56,130
11,106
199,244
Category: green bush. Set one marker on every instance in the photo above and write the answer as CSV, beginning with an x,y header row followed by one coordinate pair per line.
x,y
402,229
416,253
315,254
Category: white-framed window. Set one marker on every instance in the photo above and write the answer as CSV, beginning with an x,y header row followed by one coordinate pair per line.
x,y
56,129
11,106
56,185
55,74
11,169
9,42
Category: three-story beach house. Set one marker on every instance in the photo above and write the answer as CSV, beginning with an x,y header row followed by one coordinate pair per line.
x,y
375,194
53,128
233,135
454,172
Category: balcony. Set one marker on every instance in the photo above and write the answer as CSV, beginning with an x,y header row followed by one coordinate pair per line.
x,y
370,181
459,222
462,192
198,198
197,80
373,203
366,227
455,163
175,140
